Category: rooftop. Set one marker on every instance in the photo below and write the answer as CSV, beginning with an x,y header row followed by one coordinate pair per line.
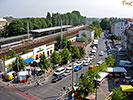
x,y
49,29
1,19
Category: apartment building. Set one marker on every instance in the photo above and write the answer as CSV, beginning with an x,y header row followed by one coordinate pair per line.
x,y
127,41
118,27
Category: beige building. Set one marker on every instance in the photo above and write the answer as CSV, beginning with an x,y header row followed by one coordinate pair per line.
x,y
127,41
2,23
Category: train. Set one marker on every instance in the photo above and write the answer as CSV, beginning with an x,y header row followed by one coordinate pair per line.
x,y
9,45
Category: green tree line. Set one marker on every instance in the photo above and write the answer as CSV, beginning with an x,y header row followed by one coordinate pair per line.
x,y
19,26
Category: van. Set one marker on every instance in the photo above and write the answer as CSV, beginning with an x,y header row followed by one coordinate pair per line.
x,y
23,76
59,71
9,76
124,63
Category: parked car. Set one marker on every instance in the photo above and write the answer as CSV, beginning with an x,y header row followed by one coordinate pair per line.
x,y
85,63
124,63
78,63
79,67
101,53
92,56
69,67
59,71
66,73
56,78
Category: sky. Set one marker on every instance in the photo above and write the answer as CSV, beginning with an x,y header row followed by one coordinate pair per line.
x,y
88,8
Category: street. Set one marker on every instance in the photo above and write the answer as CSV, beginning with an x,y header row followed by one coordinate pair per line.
x,y
52,91
8,94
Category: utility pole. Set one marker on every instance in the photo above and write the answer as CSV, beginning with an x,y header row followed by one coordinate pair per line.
x,y
18,63
61,34
72,77
28,29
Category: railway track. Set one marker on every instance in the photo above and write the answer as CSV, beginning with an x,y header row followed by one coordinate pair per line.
x,y
42,41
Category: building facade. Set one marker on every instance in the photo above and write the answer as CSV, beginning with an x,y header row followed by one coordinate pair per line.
x,y
89,34
2,23
118,27
127,41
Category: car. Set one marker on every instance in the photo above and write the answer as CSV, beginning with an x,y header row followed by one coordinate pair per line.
x,y
69,67
101,53
78,63
56,78
92,57
85,63
100,62
59,71
82,75
79,67
66,73
109,51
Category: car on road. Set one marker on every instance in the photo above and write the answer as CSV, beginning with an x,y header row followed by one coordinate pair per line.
x,y
59,71
66,73
56,78
86,63
92,56
101,53
69,67
77,68
78,63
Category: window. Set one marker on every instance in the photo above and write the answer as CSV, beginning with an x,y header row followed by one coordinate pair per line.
x,y
50,51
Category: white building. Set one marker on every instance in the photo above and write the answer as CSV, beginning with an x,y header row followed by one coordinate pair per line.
x,y
89,34
2,23
118,27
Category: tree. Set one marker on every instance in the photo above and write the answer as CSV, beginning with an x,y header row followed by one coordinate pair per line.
x,y
82,50
13,53
69,43
21,64
115,37
55,58
105,24
75,52
24,51
65,54
87,84
96,24
118,94
110,61
44,63
49,16
59,44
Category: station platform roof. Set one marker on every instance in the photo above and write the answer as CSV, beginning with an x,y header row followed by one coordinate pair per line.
x,y
50,29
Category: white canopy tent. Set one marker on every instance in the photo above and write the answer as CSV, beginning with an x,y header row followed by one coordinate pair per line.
x,y
102,75
116,69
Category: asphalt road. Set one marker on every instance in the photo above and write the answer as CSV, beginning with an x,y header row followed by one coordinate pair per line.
x,y
52,91
8,94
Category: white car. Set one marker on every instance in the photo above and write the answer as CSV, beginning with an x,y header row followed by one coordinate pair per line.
x,y
69,67
101,53
59,71
66,73
78,63
92,57
86,63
